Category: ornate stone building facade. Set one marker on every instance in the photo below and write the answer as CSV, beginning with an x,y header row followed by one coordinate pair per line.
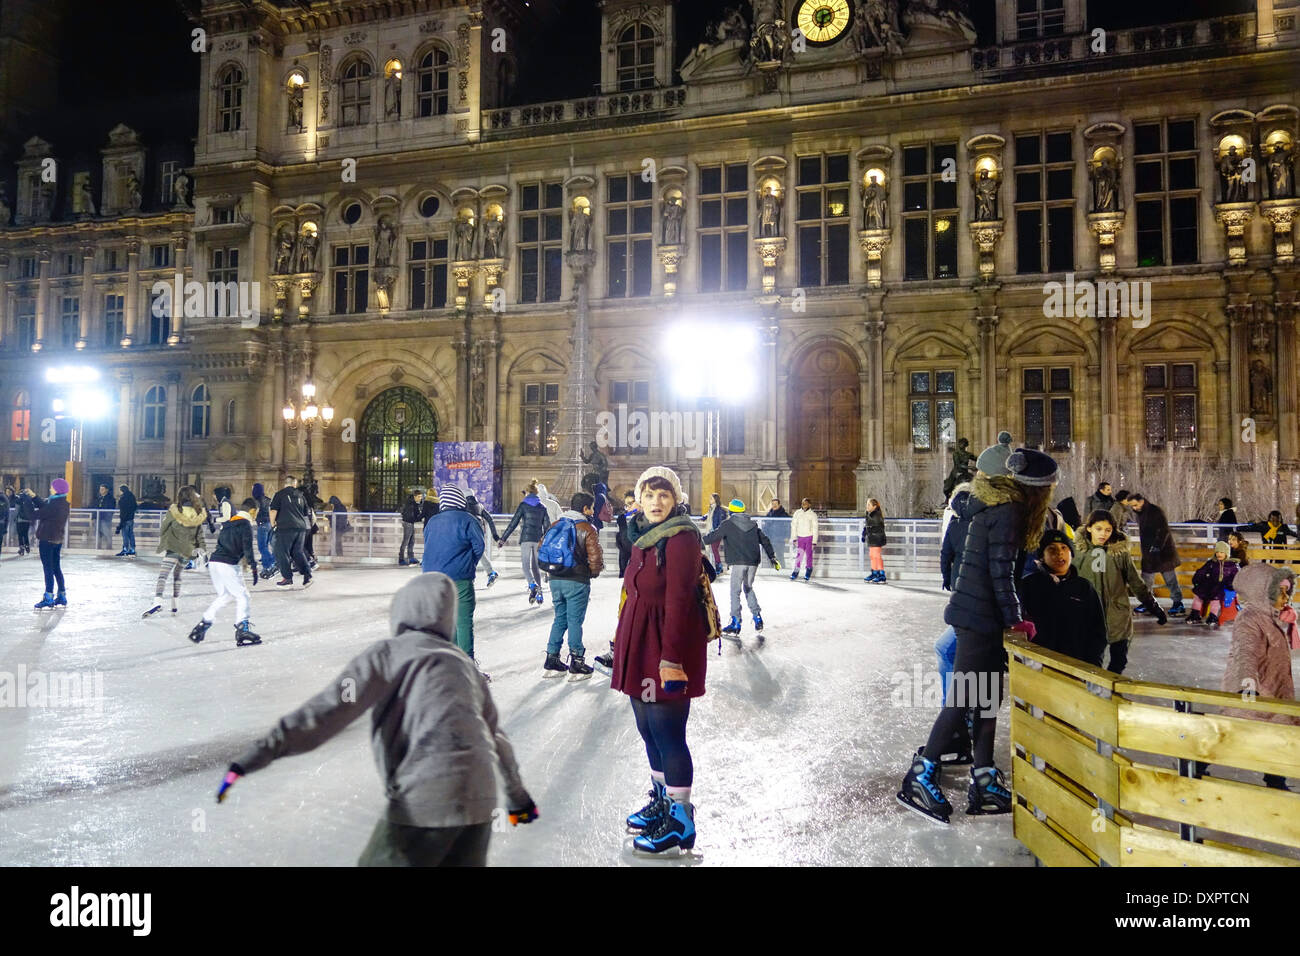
x,y
916,225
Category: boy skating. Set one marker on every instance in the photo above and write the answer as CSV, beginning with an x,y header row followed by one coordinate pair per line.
x,y
571,584
234,544
741,540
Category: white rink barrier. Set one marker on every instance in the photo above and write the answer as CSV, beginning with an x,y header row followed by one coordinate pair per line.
x,y
912,552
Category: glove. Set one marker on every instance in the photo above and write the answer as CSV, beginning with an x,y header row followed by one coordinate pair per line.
x,y
947,585
672,677
1161,616
777,565
232,774
525,814
1026,628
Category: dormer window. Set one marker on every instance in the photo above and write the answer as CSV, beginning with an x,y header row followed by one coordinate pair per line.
x,y
1039,18
230,100
636,57
355,100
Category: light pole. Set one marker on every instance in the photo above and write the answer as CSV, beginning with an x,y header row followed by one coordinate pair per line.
x,y
78,400
310,416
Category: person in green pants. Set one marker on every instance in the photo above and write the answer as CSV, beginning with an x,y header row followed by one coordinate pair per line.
x,y
453,544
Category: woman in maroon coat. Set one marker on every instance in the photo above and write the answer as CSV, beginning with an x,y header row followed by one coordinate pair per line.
x,y
660,653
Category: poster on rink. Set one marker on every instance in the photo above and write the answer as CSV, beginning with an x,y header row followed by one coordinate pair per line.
x,y
474,466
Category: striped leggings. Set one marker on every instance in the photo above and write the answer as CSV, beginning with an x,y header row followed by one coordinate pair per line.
x,y
173,564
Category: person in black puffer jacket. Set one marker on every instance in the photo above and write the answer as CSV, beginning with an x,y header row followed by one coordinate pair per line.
x,y
23,518
1006,517
412,511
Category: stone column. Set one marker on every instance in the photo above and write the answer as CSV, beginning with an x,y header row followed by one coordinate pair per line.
x,y
132,303
576,413
988,400
43,299
1265,35
1108,381
771,426
1239,313
491,359
87,293
175,423
461,345
126,426
874,446
1285,392
180,244
279,391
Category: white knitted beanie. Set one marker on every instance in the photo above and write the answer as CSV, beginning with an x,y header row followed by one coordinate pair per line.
x,y
659,471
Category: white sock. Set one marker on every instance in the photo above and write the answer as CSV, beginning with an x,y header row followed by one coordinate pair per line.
x,y
657,776
679,794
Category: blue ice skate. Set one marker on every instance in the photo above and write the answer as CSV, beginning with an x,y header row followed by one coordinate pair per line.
x,y
676,829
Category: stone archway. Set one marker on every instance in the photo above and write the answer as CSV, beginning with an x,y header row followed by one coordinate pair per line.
x,y
394,448
825,427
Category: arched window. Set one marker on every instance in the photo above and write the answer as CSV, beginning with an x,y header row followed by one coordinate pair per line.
x,y
230,103
155,413
200,412
433,83
636,58
20,419
231,425
355,99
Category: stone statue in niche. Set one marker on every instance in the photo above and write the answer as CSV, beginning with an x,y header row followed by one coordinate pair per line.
x,y
986,197
393,96
385,239
1261,388
307,247
1105,198
875,205
1281,175
477,392
465,238
672,222
1231,168
295,108
134,195
769,212
181,190
877,27
580,230
731,26
284,251
83,200
493,235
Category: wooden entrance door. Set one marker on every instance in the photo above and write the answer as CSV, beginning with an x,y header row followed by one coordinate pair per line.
x,y
825,428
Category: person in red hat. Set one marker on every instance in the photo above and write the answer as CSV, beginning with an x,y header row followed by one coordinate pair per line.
x,y
52,513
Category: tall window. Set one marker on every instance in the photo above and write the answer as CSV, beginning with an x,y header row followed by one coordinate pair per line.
x,y
629,209
354,102
1169,396
541,417
223,273
933,402
232,424
1048,395
69,321
541,241
200,412
160,319
635,397
168,170
724,227
733,430
823,196
28,267
155,413
160,255
114,320
433,83
427,260
72,264
111,261
1166,192
20,418
1044,203
930,212
25,323
351,278
230,106
1039,18
636,58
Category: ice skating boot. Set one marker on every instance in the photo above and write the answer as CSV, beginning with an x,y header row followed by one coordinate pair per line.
x,y
807,574
200,632
122,554
1213,621
648,817
541,595
492,578
1177,609
881,578
152,611
532,594
1275,781
244,634
733,627
921,790
61,600
988,793
758,623
676,829
794,575
47,601
402,562
1193,617
607,660
553,666
579,669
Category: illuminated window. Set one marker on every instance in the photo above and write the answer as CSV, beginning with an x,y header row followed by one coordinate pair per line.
x,y
1169,398
930,211
822,194
933,400
230,100
20,418
541,418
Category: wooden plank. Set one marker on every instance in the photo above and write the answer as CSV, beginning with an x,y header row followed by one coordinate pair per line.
x,y
1257,745
1143,846
1088,769
1224,805
1019,647
1065,699
1046,844
1216,698
1078,818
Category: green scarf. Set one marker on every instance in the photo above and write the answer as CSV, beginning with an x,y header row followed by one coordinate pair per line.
x,y
645,536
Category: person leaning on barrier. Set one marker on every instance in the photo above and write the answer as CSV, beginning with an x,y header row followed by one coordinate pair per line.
x,y
1159,553
1064,607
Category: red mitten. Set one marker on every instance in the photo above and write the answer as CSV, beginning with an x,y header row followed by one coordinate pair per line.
x,y
1026,628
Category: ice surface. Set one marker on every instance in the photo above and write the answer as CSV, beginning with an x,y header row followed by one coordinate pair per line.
x,y
799,744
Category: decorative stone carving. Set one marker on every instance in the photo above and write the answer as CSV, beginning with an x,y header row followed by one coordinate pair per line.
x,y
580,229
296,94
770,250
326,78
986,234
732,26
1231,175
1282,213
83,196
770,204
1235,218
132,196
1105,225
876,26
393,96
1261,389
671,257
986,196
492,270
463,272
494,229
874,242
671,229
385,240
875,204
466,229
1105,185
1281,172
284,243
308,244
181,192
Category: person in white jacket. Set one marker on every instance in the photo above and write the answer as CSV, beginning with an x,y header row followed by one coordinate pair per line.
x,y
803,525
550,503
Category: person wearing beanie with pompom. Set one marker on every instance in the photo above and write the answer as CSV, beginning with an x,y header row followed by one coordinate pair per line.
x,y
453,545
741,539
52,513
1006,517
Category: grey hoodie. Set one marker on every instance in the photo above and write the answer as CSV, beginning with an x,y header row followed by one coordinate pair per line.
x,y
741,539
433,727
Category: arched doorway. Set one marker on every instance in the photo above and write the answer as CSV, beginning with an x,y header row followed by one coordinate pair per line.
x,y
395,450
825,427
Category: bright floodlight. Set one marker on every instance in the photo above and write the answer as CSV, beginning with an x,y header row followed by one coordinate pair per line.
x,y
71,374
714,360
88,405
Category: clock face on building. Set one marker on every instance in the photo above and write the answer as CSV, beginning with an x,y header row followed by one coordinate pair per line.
x,y
823,22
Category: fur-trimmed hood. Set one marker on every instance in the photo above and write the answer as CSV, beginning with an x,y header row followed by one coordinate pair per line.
x,y
186,516
995,490
1258,586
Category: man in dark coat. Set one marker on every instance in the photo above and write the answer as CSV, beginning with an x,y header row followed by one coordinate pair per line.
x,y
1064,607
126,507
1100,499
1159,555
104,502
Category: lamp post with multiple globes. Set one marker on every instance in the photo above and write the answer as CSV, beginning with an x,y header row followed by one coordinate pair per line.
x,y
309,416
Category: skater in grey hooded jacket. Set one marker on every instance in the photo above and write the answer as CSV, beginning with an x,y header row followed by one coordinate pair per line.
x,y
433,730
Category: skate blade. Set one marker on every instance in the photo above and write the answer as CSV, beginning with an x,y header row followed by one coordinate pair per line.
x,y
574,678
902,799
987,811
548,675
151,612
239,643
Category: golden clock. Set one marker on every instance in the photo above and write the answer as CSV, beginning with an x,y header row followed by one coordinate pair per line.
x,y
822,22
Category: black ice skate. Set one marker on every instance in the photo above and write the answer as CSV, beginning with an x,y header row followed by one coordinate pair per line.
x,y
921,790
553,666
606,660
153,610
988,793
200,631
244,634
579,669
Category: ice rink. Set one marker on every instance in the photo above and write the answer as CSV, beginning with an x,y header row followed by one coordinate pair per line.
x,y
799,743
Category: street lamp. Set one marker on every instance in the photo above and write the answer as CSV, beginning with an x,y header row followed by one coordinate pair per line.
x,y
77,399
310,416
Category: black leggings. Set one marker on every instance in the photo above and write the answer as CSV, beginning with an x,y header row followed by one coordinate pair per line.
x,y
50,565
977,683
23,527
662,726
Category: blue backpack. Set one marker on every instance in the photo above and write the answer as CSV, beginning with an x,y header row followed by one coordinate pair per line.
x,y
557,553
